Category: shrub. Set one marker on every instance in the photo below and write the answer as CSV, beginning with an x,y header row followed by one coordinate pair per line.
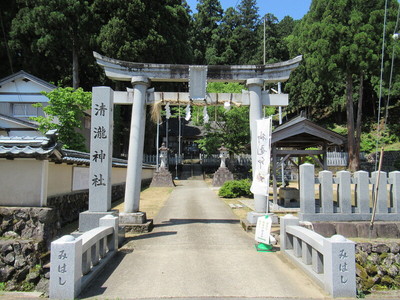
x,y
235,189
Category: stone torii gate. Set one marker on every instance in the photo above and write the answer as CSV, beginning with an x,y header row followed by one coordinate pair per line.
x,y
142,74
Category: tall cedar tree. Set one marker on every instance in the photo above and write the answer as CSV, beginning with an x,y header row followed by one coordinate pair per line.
x,y
206,28
246,32
340,42
144,31
50,33
8,10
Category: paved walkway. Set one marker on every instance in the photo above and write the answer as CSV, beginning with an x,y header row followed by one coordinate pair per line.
x,y
199,250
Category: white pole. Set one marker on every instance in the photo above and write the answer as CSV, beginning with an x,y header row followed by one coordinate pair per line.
x,y
280,122
136,144
256,113
179,131
157,142
264,40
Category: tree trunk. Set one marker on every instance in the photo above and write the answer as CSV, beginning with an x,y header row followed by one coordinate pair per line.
x,y
351,143
75,67
358,123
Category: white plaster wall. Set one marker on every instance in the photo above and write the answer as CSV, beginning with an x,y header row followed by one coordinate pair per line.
x,y
20,182
118,175
60,179
147,173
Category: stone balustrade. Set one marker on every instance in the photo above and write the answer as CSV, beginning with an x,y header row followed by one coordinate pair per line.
x,y
348,198
329,261
75,262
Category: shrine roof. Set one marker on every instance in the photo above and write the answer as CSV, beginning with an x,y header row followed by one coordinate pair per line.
x,y
302,133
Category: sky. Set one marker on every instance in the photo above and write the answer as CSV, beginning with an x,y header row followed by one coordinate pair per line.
x,y
280,8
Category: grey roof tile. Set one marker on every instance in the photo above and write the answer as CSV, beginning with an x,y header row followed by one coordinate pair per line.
x,y
45,148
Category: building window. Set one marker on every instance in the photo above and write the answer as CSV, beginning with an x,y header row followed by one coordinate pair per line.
x,y
24,110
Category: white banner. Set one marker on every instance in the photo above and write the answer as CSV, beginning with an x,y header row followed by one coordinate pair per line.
x,y
260,183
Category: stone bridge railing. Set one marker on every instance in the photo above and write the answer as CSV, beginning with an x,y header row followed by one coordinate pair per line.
x,y
348,198
329,261
74,262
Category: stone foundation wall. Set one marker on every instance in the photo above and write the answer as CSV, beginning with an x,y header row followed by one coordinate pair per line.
x,y
377,266
42,223
69,205
358,229
20,264
28,223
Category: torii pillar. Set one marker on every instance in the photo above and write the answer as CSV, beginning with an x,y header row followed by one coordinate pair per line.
x,y
256,113
131,213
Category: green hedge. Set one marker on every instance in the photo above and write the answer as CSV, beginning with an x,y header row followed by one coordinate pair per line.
x,y
235,189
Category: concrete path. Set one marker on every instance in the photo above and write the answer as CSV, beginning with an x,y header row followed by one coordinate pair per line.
x,y
198,250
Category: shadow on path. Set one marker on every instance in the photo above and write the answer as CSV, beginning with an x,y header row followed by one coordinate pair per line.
x,y
173,222
150,235
105,274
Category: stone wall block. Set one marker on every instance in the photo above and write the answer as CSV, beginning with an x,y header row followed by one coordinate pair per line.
x,y
19,262
380,248
6,273
387,230
21,274
347,229
17,247
5,212
5,248
365,232
26,249
22,214
9,258
394,248
19,226
364,247
324,229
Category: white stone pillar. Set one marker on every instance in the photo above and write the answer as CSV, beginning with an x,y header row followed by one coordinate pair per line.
x,y
66,268
256,113
101,150
100,159
136,144
339,267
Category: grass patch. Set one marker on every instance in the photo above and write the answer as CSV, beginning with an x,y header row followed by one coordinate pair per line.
x,y
151,200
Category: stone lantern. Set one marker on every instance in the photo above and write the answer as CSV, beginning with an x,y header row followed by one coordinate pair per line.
x,y
163,156
222,174
223,155
162,177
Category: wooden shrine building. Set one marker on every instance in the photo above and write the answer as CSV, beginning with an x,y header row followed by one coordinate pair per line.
x,y
294,139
